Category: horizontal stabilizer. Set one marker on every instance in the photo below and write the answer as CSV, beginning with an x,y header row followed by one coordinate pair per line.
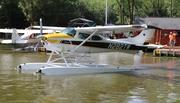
x,y
6,41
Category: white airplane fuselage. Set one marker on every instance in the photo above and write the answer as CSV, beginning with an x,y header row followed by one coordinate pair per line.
x,y
92,46
108,47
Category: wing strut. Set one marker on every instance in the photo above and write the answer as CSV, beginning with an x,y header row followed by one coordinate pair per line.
x,y
85,40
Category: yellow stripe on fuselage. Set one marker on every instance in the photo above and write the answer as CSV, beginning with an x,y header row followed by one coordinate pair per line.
x,y
50,37
147,40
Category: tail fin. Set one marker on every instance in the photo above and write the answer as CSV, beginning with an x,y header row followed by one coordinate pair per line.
x,y
14,36
143,38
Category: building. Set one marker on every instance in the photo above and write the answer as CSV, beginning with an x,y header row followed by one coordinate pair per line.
x,y
167,25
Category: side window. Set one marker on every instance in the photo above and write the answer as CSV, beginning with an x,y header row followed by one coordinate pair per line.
x,y
83,36
96,38
80,36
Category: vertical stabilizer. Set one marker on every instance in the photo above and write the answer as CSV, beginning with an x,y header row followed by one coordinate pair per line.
x,y
14,36
143,38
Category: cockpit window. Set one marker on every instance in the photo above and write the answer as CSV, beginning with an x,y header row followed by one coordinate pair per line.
x,y
69,31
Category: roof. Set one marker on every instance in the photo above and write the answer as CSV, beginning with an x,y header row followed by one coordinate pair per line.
x,y
81,22
160,22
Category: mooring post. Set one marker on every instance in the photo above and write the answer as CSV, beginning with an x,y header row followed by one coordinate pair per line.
x,y
167,53
173,53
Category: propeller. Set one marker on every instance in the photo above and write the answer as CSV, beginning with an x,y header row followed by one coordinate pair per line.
x,y
35,48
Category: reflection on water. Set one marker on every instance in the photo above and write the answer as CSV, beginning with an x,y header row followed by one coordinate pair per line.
x,y
138,59
156,81
170,73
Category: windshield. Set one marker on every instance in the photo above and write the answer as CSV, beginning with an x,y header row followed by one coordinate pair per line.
x,y
69,31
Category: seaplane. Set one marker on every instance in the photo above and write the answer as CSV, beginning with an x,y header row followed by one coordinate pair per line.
x,y
74,47
22,36
28,35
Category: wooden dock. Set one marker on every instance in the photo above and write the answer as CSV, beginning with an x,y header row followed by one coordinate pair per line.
x,y
41,49
166,52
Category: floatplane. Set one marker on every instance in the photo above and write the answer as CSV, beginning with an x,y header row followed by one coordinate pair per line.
x,y
28,35
80,43
22,37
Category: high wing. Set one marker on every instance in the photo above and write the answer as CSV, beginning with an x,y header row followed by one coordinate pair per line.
x,y
24,31
110,29
34,31
57,29
6,30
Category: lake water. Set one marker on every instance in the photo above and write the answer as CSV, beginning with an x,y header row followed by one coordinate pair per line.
x,y
156,81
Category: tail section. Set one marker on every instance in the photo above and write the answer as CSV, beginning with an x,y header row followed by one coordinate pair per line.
x,y
14,36
142,39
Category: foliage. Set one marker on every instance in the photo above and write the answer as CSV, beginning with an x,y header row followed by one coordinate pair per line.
x,y
53,12
10,15
22,13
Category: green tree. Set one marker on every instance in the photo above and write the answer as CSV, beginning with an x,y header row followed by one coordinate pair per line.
x,y
155,8
53,12
60,12
10,15
174,11
126,11
95,10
